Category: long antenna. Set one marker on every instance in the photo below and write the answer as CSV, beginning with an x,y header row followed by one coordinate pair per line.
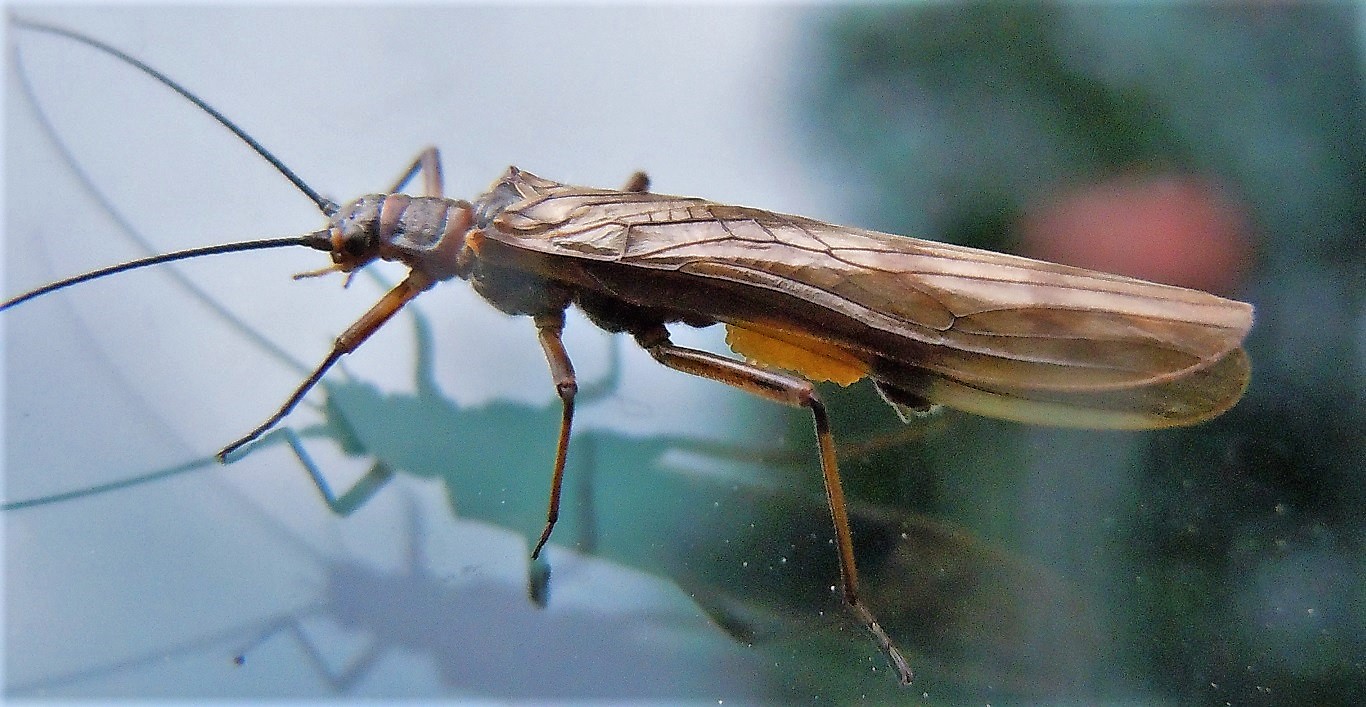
x,y
319,239
125,225
327,206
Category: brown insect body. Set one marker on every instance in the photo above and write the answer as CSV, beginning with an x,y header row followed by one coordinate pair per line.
x,y
986,332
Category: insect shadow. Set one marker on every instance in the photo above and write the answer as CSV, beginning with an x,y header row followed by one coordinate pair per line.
x,y
980,617
987,623
944,587
480,636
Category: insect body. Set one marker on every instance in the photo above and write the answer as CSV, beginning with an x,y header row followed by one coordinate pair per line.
x,y
803,302
988,333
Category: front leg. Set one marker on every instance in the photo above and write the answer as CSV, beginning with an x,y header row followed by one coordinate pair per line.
x,y
415,284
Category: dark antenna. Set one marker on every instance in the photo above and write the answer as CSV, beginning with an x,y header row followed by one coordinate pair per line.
x,y
125,225
327,206
320,240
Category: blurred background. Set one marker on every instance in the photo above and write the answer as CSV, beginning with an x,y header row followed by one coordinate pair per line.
x,y
1215,148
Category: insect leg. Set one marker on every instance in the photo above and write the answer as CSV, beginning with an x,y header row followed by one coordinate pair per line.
x,y
639,182
428,162
549,327
353,498
796,392
415,284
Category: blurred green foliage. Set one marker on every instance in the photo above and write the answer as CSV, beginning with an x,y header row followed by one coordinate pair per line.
x,y
1225,560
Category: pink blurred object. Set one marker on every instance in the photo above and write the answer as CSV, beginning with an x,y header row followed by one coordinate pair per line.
x,y
1177,229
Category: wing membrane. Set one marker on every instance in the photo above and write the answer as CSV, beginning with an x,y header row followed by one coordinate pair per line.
x,y
995,326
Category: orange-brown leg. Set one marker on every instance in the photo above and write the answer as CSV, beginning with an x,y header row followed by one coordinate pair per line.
x,y
549,327
796,392
415,284
428,162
